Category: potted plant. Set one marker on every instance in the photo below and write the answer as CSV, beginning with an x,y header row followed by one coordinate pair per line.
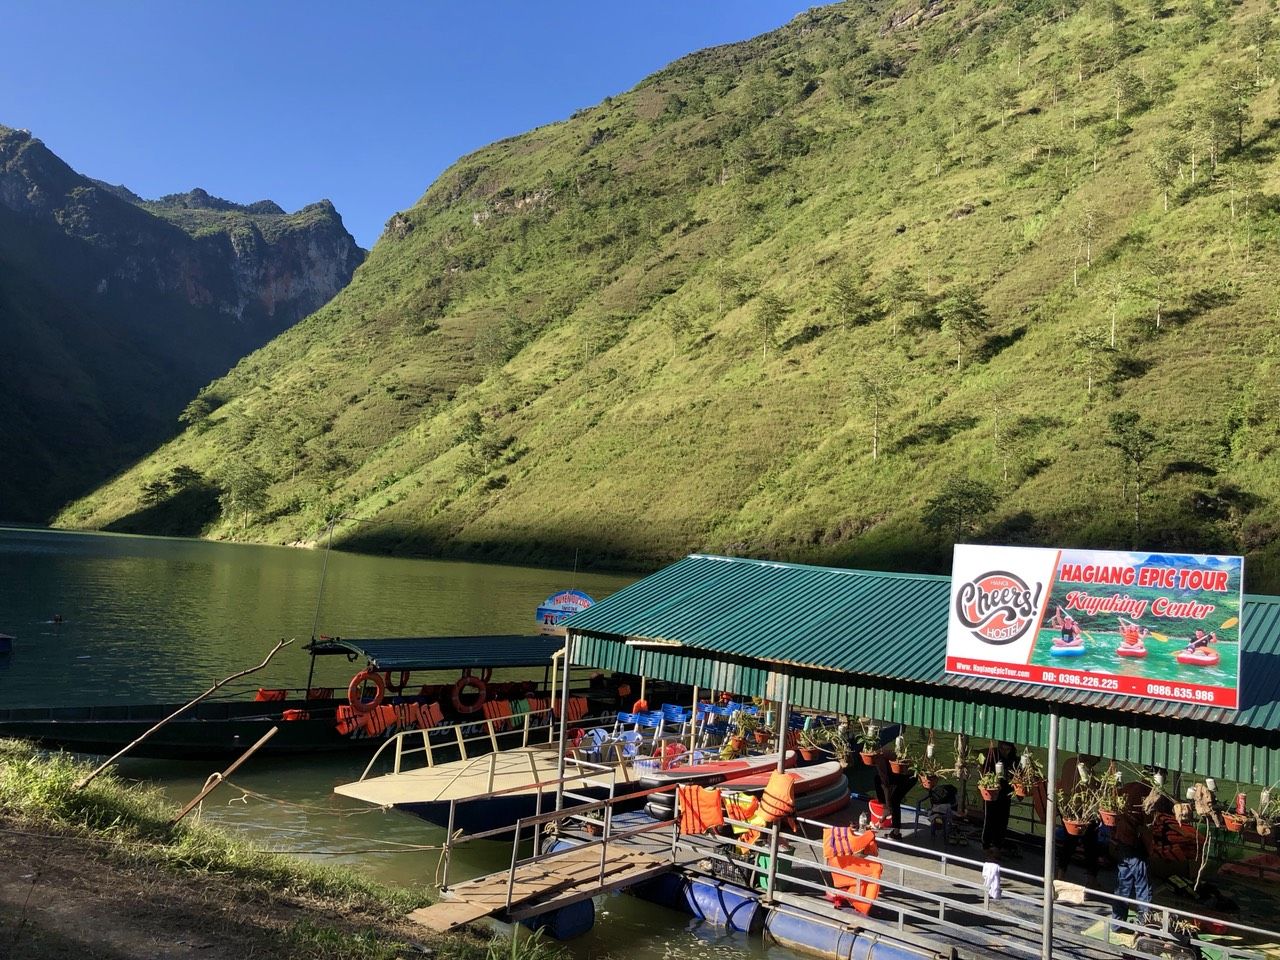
x,y
811,741
1078,809
1027,777
902,760
869,743
989,785
927,768
745,725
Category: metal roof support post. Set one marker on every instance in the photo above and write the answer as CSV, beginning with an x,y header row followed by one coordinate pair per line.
x,y
643,678
693,730
564,721
1046,929
784,709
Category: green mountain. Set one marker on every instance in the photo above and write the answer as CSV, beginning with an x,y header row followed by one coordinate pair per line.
x,y
116,310
894,274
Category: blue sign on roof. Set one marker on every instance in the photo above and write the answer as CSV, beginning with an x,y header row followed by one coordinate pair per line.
x,y
559,607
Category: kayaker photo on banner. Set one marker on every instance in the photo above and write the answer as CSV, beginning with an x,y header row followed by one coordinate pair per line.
x,y
1158,625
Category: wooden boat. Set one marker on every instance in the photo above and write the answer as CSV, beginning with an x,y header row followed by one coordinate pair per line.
x,y
323,720
816,787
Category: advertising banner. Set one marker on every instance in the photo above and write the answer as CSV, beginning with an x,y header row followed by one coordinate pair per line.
x,y
560,607
1158,625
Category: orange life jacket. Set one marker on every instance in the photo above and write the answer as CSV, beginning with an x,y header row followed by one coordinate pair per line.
x,y
432,715
1129,634
380,720
408,716
779,799
320,693
348,721
700,808
499,711
270,695
847,850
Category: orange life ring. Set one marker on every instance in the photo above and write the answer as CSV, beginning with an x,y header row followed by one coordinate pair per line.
x,y
403,681
354,688
466,681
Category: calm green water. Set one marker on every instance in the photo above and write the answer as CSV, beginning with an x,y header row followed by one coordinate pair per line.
x,y
160,619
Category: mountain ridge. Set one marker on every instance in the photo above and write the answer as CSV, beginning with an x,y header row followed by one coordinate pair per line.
x,y
890,276
119,309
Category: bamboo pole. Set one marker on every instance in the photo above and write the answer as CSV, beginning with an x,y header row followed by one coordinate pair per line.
x,y
88,778
218,779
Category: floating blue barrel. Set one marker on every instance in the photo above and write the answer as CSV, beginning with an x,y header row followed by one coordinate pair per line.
x,y
724,905
567,922
808,934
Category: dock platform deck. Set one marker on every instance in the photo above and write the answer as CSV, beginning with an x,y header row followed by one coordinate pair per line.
x,y
540,887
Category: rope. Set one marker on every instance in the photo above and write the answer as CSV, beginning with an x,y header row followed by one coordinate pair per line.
x,y
304,807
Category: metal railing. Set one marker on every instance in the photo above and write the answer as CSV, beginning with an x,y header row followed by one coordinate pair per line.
x,y
918,910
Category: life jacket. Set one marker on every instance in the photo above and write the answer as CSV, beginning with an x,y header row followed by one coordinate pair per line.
x,y
779,798
848,850
498,711
700,808
640,706
432,715
578,708
1171,840
1129,634
295,715
408,716
670,751
320,693
746,808
380,721
265,695
538,703
348,721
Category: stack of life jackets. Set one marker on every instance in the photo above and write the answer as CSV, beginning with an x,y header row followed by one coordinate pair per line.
x,y
700,808
847,850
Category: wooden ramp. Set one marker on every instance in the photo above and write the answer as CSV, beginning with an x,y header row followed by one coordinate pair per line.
x,y
553,882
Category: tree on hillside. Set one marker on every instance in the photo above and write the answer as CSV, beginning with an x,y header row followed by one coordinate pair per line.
x,y
959,506
1231,99
1110,293
183,477
1258,33
1135,444
1004,96
196,414
153,492
851,301
244,491
1086,226
1164,162
770,313
730,286
1158,271
1239,180
876,384
963,317
1090,355
901,298
1127,90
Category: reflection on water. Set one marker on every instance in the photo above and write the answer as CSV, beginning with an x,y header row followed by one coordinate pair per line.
x,y
159,619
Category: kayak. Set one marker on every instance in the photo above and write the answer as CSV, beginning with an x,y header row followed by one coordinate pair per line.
x,y
1060,651
1198,658
715,771
1131,650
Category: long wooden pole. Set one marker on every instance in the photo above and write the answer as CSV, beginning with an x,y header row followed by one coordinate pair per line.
x,y
218,779
88,778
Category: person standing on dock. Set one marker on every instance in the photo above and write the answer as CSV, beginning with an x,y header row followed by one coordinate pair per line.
x,y
891,789
1129,846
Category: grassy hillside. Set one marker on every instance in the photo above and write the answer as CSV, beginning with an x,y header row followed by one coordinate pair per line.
x,y
842,293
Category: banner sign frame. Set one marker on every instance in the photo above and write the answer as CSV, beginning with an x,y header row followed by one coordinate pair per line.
x,y
1112,622
558,608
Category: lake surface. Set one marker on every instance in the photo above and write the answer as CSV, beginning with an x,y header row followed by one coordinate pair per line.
x,y
155,619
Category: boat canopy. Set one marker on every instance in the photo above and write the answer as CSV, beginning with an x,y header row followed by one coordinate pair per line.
x,y
443,653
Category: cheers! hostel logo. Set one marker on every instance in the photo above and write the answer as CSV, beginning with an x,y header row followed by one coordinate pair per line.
x,y
998,606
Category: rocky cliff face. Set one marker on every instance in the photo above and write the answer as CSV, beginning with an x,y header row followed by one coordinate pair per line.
x,y
97,284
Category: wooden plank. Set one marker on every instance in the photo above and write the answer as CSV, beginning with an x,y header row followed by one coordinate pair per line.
x,y
540,887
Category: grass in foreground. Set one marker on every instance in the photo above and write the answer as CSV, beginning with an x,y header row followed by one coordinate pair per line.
x,y
129,825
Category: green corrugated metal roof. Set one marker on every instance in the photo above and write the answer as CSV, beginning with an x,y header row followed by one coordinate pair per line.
x,y
446,653
884,635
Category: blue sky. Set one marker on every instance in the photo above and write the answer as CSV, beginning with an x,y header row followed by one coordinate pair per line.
x,y
363,103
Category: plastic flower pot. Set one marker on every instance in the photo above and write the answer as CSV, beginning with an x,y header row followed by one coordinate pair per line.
x,y
868,758
1075,827
762,736
806,755
928,780
1233,822
898,766
989,793
1020,789
1108,817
